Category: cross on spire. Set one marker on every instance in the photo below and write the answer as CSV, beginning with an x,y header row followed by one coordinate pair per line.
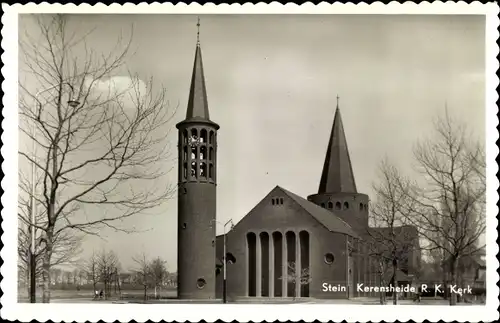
x,y
338,100
198,34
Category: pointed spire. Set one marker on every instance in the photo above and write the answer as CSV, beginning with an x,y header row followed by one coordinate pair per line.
x,y
337,173
198,103
198,34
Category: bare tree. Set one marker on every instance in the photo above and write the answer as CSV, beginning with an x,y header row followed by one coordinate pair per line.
x,y
450,201
107,267
392,241
142,272
66,246
159,273
302,277
102,154
91,268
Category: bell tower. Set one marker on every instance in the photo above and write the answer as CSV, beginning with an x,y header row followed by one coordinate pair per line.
x,y
337,189
197,178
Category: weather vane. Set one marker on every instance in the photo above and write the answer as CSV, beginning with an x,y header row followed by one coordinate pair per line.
x,y
198,35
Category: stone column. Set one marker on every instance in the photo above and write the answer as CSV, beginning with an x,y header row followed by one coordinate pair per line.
x,y
271,265
284,265
298,265
258,261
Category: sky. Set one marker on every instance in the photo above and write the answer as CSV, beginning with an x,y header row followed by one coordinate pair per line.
x,y
272,83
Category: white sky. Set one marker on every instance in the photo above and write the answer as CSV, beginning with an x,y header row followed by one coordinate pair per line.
x,y
272,82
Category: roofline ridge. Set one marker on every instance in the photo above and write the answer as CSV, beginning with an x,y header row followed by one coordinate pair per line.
x,y
349,226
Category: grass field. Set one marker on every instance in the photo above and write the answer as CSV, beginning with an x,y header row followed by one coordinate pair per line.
x,y
127,294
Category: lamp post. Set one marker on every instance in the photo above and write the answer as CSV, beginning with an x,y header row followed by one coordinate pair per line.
x,y
224,260
38,105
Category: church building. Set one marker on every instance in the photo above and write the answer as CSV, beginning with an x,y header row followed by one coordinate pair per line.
x,y
287,245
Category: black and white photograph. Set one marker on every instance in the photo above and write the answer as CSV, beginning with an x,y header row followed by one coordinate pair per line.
x,y
230,159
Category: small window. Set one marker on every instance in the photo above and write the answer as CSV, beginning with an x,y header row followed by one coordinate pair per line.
x,y
329,258
211,137
230,258
272,201
194,132
211,154
330,205
185,136
217,271
346,205
203,169
338,206
200,283
213,243
185,190
185,149
211,171
366,207
184,225
193,169
203,136
281,200
203,152
185,171
361,206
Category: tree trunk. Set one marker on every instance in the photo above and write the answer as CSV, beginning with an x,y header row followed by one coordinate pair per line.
x,y
395,281
28,279
382,293
445,284
454,269
119,289
155,293
145,292
46,270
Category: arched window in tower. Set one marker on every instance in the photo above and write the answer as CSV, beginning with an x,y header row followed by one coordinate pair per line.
x,y
185,171
272,201
203,152
338,206
193,169
211,154
194,152
211,171
361,206
194,133
346,205
185,154
203,136
211,138
203,169
185,137
281,200
330,205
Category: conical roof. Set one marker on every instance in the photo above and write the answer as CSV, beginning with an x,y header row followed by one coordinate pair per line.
x,y
337,176
198,103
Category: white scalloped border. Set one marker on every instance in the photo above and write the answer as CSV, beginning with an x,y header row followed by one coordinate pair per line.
x,y
181,312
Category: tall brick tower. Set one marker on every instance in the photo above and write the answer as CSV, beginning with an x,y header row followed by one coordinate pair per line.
x,y
197,149
337,189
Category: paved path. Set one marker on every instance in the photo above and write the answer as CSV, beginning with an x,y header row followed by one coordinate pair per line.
x,y
355,301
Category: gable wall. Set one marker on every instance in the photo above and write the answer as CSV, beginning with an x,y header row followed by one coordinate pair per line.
x,y
289,216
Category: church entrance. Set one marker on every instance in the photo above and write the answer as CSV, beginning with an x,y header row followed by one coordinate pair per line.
x,y
278,264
